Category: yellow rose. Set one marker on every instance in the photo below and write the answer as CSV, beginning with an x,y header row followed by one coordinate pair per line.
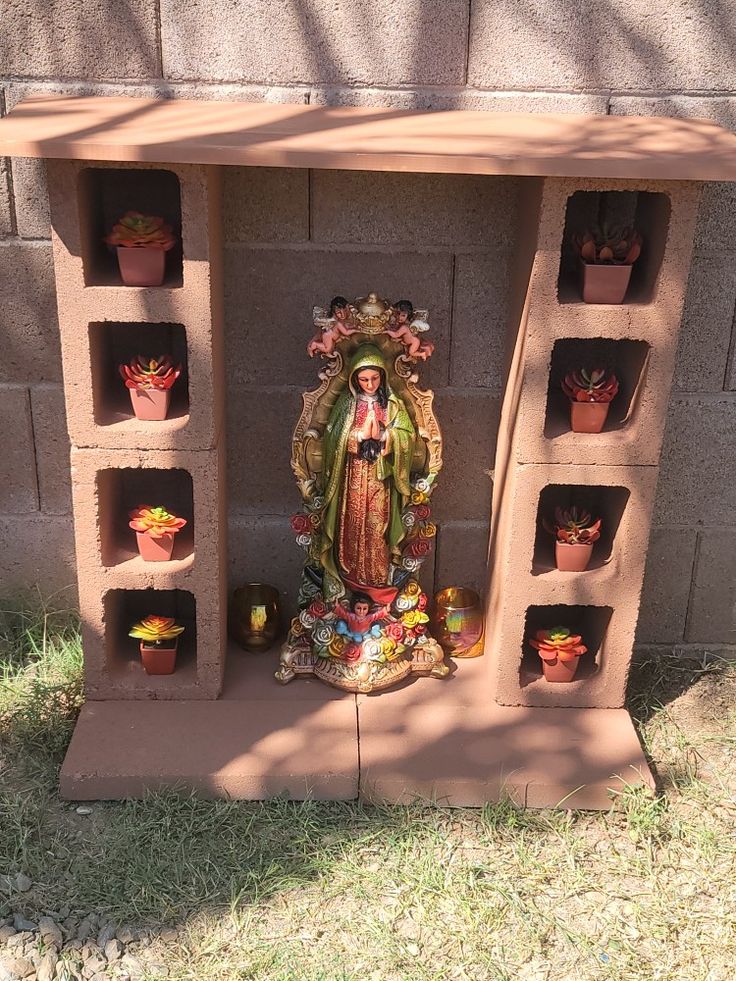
x,y
419,497
412,588
297,628
337,645
388,646
428,531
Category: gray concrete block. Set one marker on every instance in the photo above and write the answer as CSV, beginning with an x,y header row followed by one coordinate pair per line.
x,y
712,614
29,330
715,232
721,109
18,490
414,209
469,421
31,194
420,98
480,320
269,295
462,555
260,425
666,588
52,448
37,551
707,320
262,548
397,41
98,39
696,482
265,204
661,45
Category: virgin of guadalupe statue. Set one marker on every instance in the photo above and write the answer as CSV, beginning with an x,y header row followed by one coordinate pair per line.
x,y
366,452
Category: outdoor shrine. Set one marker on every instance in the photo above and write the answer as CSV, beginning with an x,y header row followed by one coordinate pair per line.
x,y
365,695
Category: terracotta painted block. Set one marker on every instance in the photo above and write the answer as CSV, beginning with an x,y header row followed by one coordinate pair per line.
x,y
602,602
453,210
265,204
563,47
18,489
195,305
667,583
52,448
28,323
318,43
31,43
712,613
113,578
265,287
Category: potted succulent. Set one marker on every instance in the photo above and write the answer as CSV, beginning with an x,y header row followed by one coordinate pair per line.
x,y
159,639
155,529
559,651
590,393
606,257
575,531
142,242
149,381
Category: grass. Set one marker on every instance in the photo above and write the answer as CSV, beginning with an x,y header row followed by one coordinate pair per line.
x,y
345,891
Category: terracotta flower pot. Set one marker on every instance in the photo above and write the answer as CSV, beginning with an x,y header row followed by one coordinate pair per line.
x,y
588,417
155,549
558,671
159,660
605,284
572,558
150,404
141,266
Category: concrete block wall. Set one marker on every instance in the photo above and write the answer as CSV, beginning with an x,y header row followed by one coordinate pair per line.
x,y
644,57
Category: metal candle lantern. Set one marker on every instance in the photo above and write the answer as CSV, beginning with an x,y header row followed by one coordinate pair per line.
x,y
254,616
458,621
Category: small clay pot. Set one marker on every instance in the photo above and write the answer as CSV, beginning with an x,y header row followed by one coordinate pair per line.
x,y
559,672
605,284
155,549
150,404
588,417
159,660
141,266
572,557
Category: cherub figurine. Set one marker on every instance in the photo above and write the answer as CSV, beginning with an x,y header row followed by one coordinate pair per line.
x,y
338,324
358,623
406,327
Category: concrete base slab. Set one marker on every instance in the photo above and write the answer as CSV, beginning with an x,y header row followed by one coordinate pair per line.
x,y
467,755
442,740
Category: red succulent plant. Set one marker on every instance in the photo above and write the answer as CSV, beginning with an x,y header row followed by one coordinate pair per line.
x,y
596,385
574,526
558,643
146,373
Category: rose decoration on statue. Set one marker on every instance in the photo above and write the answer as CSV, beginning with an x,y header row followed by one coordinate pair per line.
x,y
395,631
419,548
300,523
422,512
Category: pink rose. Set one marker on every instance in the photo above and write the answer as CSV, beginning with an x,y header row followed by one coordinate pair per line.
x,y
300,524
422,604
395,631
420,629
318,609
422,512
419,547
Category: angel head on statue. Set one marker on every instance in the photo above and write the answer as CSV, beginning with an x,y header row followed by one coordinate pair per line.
x,y
366,452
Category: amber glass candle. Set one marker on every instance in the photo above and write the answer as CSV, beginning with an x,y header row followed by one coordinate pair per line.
x,y
457,622
254,616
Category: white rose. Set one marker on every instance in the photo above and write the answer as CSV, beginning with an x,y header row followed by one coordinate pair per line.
x,y
307,619
408,519
304,540
411,563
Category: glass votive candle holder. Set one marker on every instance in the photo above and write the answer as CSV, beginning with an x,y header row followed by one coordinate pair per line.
x,y
253,618
457,621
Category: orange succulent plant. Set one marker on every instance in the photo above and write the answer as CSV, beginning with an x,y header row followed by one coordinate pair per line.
x,y
155,522
136,231
558,643
574,526
609,246
146,373
596,385
154,630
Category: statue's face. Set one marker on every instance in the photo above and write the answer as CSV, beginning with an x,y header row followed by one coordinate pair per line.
x,y
369,380
361,610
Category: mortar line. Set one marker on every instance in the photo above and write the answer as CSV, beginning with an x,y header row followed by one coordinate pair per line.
x,y
466,66
691,591
35,449
159,41
357,745
731,352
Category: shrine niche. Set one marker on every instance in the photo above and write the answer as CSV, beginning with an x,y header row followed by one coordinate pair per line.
x,y
366,453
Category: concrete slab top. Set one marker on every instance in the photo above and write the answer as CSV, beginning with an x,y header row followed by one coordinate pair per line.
x,y
362,138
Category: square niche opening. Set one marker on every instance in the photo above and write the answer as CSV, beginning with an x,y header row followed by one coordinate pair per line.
x,y
119,490
105,194
591,622
627,359
607,503
112,344
125,607
647,212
